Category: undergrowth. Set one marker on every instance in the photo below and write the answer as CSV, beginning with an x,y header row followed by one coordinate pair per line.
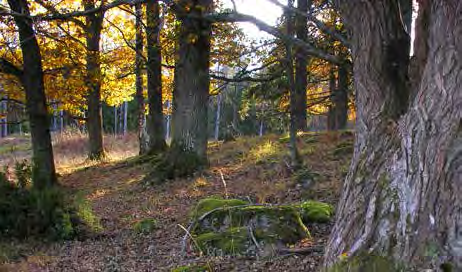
x,y
26,212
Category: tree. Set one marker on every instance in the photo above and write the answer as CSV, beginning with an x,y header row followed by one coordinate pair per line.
x,y
192,80
140,110
155,119
93,27
31,77
294,155
402,195
301,62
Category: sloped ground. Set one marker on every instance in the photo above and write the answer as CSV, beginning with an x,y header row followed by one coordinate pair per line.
x,y
251,168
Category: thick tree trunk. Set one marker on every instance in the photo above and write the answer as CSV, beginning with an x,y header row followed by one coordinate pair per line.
x,y
139,96
94,24
338,111
301,62
43,171
155,119
402,197
192,80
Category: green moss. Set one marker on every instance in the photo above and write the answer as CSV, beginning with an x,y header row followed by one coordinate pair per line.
x,y
146,226
208,204
232,241
316,212
367,263
228,230
86,214
192,268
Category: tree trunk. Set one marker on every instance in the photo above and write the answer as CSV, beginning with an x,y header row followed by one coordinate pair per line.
x,y
301,62
139,96
294,155
331,121
402,197
155,119
338,111
192,80
43,171
94,24
217,118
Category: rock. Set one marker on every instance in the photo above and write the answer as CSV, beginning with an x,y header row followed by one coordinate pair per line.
x,y
236,227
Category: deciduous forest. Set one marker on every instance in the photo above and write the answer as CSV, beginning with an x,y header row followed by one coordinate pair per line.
x,y
231,135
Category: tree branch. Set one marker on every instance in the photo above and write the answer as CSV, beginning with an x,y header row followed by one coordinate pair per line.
x,y
308,48
9,68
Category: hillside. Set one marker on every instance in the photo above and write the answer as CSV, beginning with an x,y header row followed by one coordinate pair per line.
x,y
117,195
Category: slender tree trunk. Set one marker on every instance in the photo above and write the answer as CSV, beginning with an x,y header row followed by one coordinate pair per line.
x,y
331,121
125,107
43,171
155,119
139,96
217,118
294,155
301,62
192,80
402,197
94,24
169,118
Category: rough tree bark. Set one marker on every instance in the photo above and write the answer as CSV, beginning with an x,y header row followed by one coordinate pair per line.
x,y
301,62
155,118
402,197
93,27
43,171
140,106
192,80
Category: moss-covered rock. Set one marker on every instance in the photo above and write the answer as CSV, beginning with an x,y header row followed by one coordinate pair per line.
x,y
208,204
316,212
236,227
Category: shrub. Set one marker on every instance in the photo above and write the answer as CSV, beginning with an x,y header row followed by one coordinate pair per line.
x,y
27,212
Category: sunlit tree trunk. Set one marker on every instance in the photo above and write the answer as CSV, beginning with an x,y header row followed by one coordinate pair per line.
x,y
402,197
94,24
139,96
43,171
155,118
192,80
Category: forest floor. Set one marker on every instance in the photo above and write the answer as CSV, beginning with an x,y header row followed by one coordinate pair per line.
x,y
118,197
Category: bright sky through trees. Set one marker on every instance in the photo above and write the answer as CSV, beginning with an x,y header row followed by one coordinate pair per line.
x,y
261,9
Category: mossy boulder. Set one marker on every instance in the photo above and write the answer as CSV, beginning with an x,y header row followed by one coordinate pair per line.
x,y
236,227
